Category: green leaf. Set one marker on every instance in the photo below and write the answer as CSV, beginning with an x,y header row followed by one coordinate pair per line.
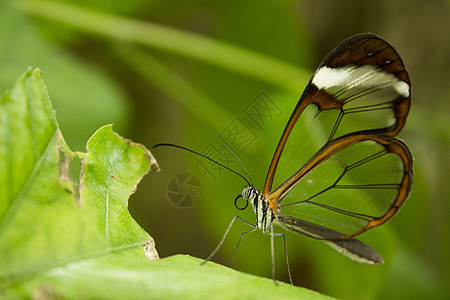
x,y
44,225
58,240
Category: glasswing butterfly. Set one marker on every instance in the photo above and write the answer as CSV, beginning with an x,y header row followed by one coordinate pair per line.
x,y
338,169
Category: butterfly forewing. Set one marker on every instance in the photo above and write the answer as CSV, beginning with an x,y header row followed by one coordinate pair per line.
x,y
311,136
337,163
364,78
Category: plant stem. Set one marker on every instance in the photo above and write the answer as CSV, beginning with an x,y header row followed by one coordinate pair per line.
x,y
152,35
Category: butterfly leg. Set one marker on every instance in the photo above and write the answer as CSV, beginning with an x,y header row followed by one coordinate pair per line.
x,y
242,236
226,234
272,252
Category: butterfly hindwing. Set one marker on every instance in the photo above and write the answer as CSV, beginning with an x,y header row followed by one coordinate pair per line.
x,y
352,185
352,248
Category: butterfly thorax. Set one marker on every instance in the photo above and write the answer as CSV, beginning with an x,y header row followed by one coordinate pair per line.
x,y
261,207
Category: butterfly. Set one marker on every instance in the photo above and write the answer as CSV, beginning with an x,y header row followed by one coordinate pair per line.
x,y
338,169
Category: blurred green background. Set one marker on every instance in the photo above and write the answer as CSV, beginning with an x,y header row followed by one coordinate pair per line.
x,y
183,71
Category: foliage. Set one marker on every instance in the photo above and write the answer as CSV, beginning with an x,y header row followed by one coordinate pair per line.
x,y
182,72
64,242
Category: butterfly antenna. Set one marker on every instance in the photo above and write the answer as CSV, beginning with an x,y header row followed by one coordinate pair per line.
x,y
240,162
210,159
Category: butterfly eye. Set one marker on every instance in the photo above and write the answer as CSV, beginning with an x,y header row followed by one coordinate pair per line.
x,y
236,203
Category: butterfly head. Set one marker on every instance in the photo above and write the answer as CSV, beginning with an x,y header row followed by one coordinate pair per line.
x,y
250,193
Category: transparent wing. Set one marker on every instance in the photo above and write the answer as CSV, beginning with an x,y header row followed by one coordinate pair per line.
x,y
352,185
360,87
355,103
352,248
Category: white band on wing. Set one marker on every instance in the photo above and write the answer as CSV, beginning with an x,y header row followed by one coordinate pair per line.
x,y
354,77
